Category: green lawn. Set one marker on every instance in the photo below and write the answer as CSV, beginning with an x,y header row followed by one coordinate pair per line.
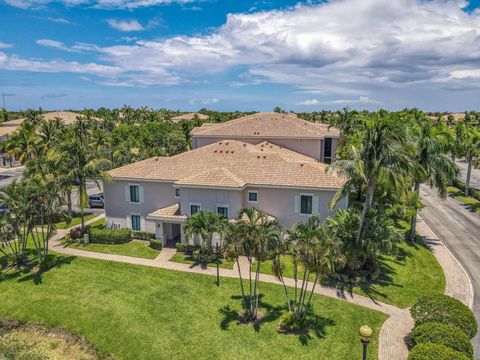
x,y
137,312
75,221
132,248
99,224
183,258
471,202
412,272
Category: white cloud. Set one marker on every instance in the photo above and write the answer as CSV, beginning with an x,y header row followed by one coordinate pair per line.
x,y
210,101
5,45
101,4
59,20
53,66
125,25
309,102
54,44
465,74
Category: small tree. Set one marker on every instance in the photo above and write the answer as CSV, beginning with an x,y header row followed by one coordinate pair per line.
x,y
252,237
313,254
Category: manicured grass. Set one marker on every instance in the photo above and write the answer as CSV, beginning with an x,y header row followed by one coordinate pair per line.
x,y
184,258
412,272
99,224
75,221
471,202
132,248
137,312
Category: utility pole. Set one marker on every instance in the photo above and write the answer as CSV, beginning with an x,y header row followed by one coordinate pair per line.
x,y
4,105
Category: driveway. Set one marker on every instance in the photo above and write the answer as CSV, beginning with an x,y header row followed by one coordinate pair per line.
x,y
459,229
7,175
475,179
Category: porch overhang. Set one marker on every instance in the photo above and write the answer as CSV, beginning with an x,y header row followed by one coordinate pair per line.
x,y
169,214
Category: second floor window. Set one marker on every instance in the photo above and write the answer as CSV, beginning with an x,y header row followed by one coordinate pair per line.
x,y
194,209
134,194
252,196
327,154
177,193
223,210
306,204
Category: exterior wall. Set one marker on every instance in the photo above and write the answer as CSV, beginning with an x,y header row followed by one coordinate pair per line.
x,y
280,203
209,199
155,196
309,147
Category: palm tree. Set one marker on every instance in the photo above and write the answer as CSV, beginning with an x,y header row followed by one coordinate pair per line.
x,y
258,232
82,162
312,251
384,155
204,224
438,170
49,134
468,139
24,143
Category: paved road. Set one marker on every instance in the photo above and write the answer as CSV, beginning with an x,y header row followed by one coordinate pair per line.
x,y
459,229
7,175
475,179
92,188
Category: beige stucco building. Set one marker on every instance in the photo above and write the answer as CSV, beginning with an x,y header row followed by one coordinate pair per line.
x,y
224,175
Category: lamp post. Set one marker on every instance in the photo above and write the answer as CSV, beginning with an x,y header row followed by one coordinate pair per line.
x,y
365,335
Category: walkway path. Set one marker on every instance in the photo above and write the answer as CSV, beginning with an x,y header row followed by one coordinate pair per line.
x,y
394,329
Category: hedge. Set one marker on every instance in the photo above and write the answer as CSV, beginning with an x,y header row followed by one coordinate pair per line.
x,y
186,248
156,244
105,236
431,351
461,185
446,310
143,235
443,334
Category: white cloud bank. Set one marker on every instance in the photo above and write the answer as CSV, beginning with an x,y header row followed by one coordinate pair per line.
x,y
344,47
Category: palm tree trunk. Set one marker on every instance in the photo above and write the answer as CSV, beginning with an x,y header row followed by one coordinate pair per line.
x,y
310,297
366,207
469,175
301,290
241,286
69,201
413,220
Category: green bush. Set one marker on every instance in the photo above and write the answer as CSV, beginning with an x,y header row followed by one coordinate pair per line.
x,y
105,236
143,235
431,351
461,185
156,244
443,334
181,247
446,310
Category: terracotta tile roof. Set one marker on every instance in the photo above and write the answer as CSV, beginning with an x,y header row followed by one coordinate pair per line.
x,y
172,211
267,124
230,163
68,118
7,131
189,116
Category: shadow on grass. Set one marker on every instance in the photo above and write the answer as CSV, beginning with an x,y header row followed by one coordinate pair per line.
x,y
32,271
373,288
315,325
459,195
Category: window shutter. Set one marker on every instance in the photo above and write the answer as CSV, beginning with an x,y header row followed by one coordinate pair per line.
x,y
127,193
315,205
129,222
142,223
297,204
140,193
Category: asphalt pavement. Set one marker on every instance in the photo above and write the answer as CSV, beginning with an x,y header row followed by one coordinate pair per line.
x,y
459,229
7,175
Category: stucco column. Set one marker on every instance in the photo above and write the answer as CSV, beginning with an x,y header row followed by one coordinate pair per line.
x,y
159,232
183,240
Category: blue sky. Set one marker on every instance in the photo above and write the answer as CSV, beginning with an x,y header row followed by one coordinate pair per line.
x,y
241,54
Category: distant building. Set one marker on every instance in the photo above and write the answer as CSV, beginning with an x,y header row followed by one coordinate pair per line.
x,y
315,140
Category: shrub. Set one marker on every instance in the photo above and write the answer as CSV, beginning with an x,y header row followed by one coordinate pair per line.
x,y
475,193
431,351
443,334
105,236
156,244
143,235
181,247
446,310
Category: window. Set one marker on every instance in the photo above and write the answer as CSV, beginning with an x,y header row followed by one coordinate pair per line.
x,y
136,223
134,194
327,153
305,204
223,210
177,192
194,208
252,196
